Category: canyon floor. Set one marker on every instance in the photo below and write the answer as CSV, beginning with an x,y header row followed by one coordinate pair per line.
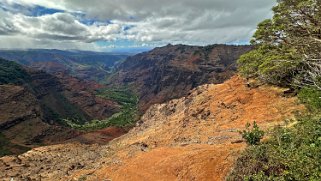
x,y
192,138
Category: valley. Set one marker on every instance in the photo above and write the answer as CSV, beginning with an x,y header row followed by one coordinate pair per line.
x,y
155,112
66,107
140,90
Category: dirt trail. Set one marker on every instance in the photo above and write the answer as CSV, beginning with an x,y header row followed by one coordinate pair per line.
x,y
192,138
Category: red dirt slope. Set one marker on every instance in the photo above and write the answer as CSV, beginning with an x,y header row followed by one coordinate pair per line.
x,y
192,138
195,138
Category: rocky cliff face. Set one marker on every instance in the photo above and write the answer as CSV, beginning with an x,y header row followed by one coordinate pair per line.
x,y
22,123
172,71
83,94
31,106
70,97
17,105
63,96
191,138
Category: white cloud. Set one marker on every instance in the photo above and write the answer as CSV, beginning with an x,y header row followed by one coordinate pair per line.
x,y
150,21
58,26
24,42
57,4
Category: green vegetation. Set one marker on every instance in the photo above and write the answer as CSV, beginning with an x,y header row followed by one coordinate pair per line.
x,y
311,97
123,96
252,136
50,114
57,107
287,46
207,50
126,117
12,73
290,154
287,54
7,148
3,146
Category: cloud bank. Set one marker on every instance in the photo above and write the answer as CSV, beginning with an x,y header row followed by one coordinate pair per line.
x,y
103,24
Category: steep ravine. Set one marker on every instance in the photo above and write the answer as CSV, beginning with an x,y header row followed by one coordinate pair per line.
x,y
33,104
172,71
191,138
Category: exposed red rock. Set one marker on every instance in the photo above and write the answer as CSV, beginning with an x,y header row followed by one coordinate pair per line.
x,y
191,138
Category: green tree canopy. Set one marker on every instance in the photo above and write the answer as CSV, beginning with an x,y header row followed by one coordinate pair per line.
x,y
288,46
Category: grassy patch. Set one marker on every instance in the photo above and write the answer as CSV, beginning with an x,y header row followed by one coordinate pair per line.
x,y
125,118
122,96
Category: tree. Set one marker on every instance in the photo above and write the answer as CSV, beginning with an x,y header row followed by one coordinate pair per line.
x,y
288,46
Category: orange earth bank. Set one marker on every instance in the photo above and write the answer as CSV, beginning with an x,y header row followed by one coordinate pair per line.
x,y
196,137
192,138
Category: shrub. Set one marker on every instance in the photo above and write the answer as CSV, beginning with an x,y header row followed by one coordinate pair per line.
x,y
311,97
252,136
290,154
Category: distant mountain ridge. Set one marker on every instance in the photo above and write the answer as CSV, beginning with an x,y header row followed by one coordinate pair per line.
x,y
82,64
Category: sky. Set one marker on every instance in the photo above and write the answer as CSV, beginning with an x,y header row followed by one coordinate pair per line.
x,y
110,25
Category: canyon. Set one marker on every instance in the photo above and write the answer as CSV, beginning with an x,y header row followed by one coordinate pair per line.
x,y
170,72
191,105
192,138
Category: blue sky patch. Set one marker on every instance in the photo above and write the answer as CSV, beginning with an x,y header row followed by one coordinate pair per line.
x,y
90,21
40,11
128,27
123,46
122,43
28,10
87,21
